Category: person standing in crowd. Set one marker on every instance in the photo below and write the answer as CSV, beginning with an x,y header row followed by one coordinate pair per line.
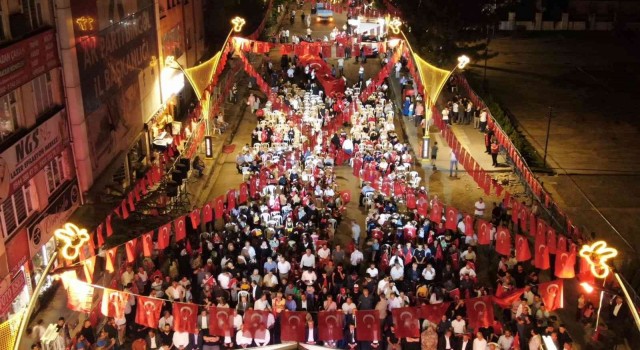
x,y
434,155
495,149
453,165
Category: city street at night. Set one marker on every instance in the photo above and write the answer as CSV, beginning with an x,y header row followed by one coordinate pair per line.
x,y
348,174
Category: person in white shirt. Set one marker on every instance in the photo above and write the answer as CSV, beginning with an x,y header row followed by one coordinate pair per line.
x,y
397,272
479,343
468,255
372,271
324,252
180,340
394,302
429,273
166,319
308,260
309,276
283,268
241,340
223,280
459,325
479,208
348,307
262,303
467,270
127,276
263,337
356,258
505,341
535,342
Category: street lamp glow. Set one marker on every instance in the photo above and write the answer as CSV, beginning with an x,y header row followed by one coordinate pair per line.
x,y
238,23
169,60
463,61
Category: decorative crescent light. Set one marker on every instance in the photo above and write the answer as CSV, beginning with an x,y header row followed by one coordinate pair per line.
x,y
596,256
238,23
463,61
394,25
72,238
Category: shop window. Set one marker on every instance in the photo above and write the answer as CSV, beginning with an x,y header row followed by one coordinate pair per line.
x,y
42,93
32,10
16,210
9,113
55,174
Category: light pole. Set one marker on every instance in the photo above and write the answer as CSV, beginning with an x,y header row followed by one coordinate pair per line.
x,y
546,141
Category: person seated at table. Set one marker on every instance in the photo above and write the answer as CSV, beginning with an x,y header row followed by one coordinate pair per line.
x,y
198,164
162,141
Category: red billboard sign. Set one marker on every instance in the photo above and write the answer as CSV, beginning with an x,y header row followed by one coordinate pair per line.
x,y
12,292
27,59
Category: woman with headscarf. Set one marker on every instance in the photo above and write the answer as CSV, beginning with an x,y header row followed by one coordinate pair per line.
x,y
429,338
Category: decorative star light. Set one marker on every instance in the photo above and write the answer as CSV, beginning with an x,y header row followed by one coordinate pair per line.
x,y
596,256
85,23
463,61
238,23
72,238
394,25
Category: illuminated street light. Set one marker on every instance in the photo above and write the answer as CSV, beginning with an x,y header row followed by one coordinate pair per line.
x,y
72,238
462,61
238,23
596,256
394,25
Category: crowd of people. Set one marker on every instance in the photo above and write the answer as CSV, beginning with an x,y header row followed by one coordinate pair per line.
x,y
278,250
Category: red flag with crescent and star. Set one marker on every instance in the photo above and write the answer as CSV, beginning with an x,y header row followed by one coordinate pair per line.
x,y
207,212
221,321
541,258
243,193
164,236
292,325
484,232
148,311
132,250
433,312
451,222
503,241
422,206
468,225
551,240
523,253
565,264
147,244
185,317
436,212
406,321
330,325
368,325
480,312
180,228
113,302
195,218
506,299
219,207
562,244
110,258
540,234
255,323
552,294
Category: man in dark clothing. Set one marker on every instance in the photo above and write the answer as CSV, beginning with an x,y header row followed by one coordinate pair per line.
x,y
365,302
495,149
166,336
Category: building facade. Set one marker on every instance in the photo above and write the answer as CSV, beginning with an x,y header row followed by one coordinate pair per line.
x,y
84,89
38,185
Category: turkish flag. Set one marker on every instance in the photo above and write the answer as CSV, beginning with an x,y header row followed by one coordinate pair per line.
x,y
506,300
147,244
185,317
452,219
540,233
433,312
148,311
110,258
406,321
109,228
330,325
293,324
124,210
221,321
164,236
99,236
207,212
255,323
219,207
551,240
80,296
346,197
132,205
585,274
368,325
195,218
552,294
468,225
436,212
243,193
89,267
565,264
523,253
422,207
562,244
480,312
503,241
541,260
412,203
132,250
179,228
231,200
484,232
113,302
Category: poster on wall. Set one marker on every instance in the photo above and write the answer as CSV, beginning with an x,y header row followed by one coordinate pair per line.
x,y
25,158
116,48
54,217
